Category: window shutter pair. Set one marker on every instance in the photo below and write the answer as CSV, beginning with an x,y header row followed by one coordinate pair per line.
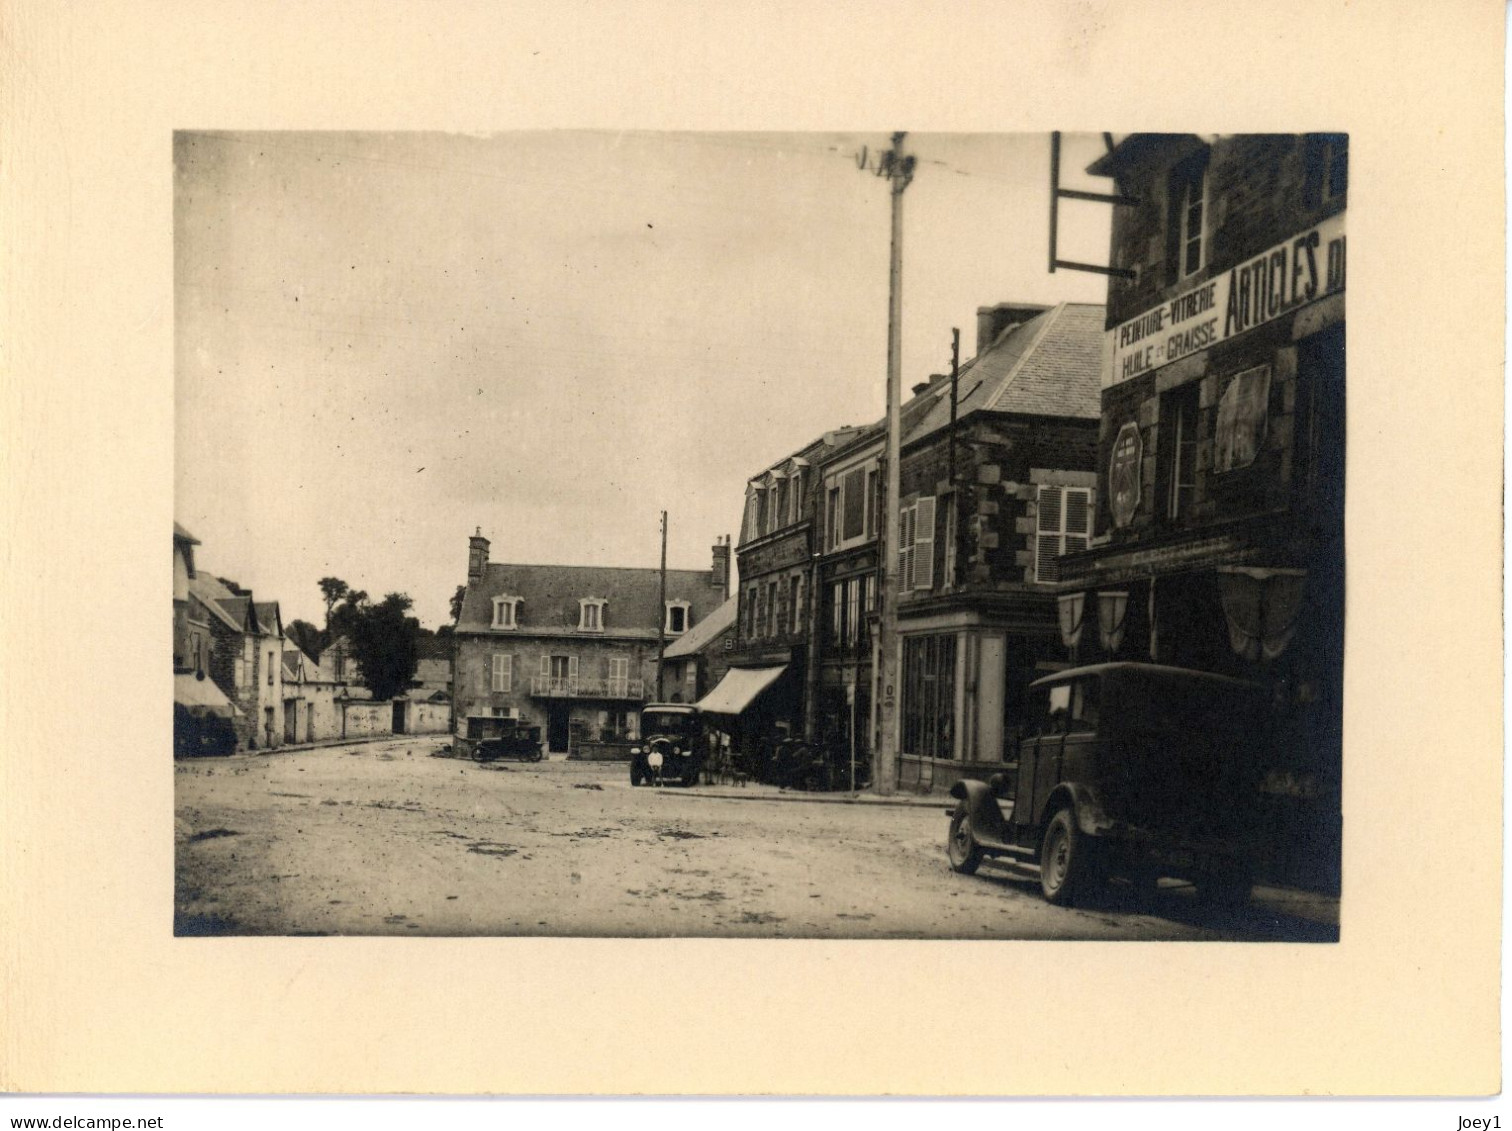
x,y
1064,525
503,672
916,545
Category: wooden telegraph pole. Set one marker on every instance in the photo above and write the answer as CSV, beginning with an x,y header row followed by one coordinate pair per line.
x,y
899,172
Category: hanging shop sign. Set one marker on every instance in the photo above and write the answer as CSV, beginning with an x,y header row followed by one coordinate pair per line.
x,y
1295,272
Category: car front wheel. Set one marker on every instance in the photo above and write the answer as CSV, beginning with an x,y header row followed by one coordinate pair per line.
x,y
965,854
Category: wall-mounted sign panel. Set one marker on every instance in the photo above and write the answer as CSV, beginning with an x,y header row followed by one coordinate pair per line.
x,y
1303,269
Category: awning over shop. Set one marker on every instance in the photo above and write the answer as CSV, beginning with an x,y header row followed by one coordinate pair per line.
x,y
201,695
738,690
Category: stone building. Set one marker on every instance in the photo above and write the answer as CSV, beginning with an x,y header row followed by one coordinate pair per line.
x,y
246,656
992,494
1219,540
572,649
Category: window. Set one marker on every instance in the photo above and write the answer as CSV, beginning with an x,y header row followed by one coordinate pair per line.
x,y
916,545
677,617
780,511
1063,525
1242,413
690,680
770,622
270,669
929,696
848,606
1177,439
619,675
1186,239
948,574
506,611
591,614
795,496
795,602
750,612
850,506
559,673
502,672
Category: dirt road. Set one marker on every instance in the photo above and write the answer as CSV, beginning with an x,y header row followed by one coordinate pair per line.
x,y
390,839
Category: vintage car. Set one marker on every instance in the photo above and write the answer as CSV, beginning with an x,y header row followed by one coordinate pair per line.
x,y
672,746
491,737
1138,770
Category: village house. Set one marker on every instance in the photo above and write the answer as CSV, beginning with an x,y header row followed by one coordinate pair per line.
x,y
572,649
693,664
1219,540
246,656
198,700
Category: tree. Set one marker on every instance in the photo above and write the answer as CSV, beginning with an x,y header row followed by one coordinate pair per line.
x,y
332,589
385,644
456,603
339,623
306,637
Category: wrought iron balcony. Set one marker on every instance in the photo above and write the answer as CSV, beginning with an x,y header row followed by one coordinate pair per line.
x,y
579,687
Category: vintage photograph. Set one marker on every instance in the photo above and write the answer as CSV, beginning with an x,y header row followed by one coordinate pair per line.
x,y
759,535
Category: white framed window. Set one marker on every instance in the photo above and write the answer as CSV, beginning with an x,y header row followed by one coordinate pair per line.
x,y
771,610
619,675
1063,524
591,614
502,672
795,601
678,617
948,578
1188,215
690,680
506,612
916,545
795,496
559,674
850,505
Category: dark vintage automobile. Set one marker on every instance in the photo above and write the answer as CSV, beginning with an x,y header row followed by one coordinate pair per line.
x,y
491,737
1137,770
673,734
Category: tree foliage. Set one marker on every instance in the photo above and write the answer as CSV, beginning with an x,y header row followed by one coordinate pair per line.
x,y
344,615
385,643
456,603
307,638
333,589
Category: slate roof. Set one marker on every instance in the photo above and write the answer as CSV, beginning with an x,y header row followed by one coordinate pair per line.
x,y
269,622
550,595
1050,365
704,632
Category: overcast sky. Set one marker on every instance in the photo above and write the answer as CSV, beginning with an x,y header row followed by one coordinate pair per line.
x,y
387,340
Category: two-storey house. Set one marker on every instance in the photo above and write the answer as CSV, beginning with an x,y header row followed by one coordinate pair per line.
x,y
246,656
1220,506
572,649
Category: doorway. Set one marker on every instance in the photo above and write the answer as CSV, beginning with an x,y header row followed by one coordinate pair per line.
x,y
557,731
399,706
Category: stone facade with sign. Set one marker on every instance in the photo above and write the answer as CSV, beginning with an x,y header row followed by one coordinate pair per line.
x,y
1222,440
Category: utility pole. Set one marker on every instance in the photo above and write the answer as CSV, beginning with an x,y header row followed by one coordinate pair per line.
x,y
661,625
899,172
955,498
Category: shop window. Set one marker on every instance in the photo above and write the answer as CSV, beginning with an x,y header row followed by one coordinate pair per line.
x,y
929,696
1242,413
1063,525
1178,451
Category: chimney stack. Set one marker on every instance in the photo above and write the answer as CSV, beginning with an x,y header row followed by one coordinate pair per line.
x,y
719,576
477,557
993,320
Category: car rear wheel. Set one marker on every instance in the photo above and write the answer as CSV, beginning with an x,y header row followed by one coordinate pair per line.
x,y
635,774
1065,859
965,854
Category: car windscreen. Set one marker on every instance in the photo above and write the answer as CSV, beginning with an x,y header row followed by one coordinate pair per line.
x,y
666,722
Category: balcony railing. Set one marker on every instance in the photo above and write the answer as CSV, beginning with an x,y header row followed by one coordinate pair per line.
x,y
565,687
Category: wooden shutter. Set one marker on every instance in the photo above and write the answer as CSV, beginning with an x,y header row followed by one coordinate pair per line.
x,y
572,672
503,671
905,549
1049,527
923,543
1078,521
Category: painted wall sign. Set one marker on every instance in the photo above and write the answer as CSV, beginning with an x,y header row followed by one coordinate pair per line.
x,y
1295,272
1124,474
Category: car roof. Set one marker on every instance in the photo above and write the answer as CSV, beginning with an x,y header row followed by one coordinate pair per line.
x,y
1156,671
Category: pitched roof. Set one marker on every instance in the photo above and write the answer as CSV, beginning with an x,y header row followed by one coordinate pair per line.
x,y
269,619
550,596
183,535
1050,365
705,631
213,607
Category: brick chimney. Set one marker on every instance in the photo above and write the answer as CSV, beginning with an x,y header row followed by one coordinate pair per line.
x,y
993,320
477,557
719,576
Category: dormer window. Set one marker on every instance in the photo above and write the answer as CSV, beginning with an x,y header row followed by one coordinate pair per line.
x,y
591,614
677,617
506,612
